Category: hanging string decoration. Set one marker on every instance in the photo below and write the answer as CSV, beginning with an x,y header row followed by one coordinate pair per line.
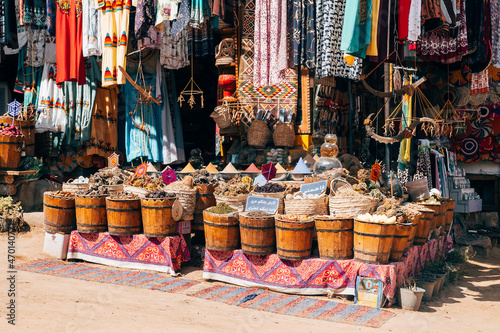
x,y
191,92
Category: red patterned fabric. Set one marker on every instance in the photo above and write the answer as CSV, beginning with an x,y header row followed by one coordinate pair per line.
x,y
164,254
317,276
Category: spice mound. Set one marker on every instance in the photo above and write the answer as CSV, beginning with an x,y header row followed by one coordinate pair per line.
x,y
236,186
114,176
94,191
431,201
145,182
202,176
62,194
270,188
160,195
376,218
293,218
221,208
123,196
256,214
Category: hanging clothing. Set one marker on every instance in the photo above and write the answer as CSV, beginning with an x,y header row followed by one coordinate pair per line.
x,y
480,83
50,50
200,10
203,41
270,42
304,33
372,50
138,143
356,32
166,10
405,146
51,17
91,29
114,37
51,103
329,59
224,10
35,53
169,148
104,133
35,13
174,49
183,18
8,24
403,18
176,114
414,20
28,78
22,35
79,104
145,15
70,62
424,166
431,9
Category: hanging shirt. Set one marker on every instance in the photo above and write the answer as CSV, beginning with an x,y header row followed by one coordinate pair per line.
x,y
356,32
51,103
174,49
166,10
414,20
91,29
270,42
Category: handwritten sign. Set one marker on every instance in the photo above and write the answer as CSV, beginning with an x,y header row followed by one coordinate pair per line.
x,y
314,188
267,205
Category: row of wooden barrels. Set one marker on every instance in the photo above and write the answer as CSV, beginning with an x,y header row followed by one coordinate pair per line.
x,y
337,237
119,217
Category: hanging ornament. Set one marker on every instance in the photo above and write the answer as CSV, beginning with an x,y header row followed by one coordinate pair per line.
x,y
191,84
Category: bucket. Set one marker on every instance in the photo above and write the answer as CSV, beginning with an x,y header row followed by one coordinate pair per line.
x,y
157,218
418,189
400,241
204,199
294,239
335,237
258,236
91,214
222,232
58,214
428,285
424,226
411,299
373,241
27,128
10,151
124,216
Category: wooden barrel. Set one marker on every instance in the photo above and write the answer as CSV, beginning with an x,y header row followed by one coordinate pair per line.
x,y
58,214
91,214
294,239
424,226
157,218
27,128
436,209
124,216
258,236
335,237
441,216
400,241
204,199
10,151
449,215
413,232
222,232
373,241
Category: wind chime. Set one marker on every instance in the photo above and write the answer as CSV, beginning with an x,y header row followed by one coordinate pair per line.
x,y
191,84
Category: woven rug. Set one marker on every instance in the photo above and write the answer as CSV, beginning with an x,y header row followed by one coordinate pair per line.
x,y
252,298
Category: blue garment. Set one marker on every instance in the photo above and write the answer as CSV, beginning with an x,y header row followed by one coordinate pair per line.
x,y
356,33
137,141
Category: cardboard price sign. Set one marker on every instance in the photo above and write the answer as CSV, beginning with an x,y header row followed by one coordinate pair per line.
x,y
267,205
314,188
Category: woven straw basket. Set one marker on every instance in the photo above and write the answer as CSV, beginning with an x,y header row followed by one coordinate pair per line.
x,y
258,134
284,135
351,206
306,206
222,115
188,201
279,195
237,202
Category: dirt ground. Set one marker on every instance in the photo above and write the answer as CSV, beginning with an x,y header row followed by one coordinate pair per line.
x,y
56,304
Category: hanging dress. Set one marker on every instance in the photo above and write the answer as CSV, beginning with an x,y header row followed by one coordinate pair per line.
x,y
304,33
91,29
70,63
8,24
356,32
114,37
51,103
145,32
22,34
166,10
174,49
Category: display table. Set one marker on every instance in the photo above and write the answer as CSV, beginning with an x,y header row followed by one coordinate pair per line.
x,y
316,276
162,254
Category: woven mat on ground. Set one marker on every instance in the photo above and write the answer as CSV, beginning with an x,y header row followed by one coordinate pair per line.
x,y
251,298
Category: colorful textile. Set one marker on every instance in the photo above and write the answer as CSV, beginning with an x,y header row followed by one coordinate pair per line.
x,y
145,15
51,103
174,49
372,49
162,254
183,18
203,41
495,32
104,132
329,59
199,11
431,9
403,18
35,53
224,10
414,20
22,35
166,10
8,24
316,276
270,42
51,17
70,62
114,38
480,83
28,78
91,29
304,33
34,13
356,32
79,104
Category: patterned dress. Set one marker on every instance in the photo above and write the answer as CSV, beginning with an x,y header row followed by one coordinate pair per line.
x,y
174,49
114,35
304,33
51,103
270,38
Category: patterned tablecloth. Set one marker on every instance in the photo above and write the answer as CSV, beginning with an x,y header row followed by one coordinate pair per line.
x,y
162,254
316,276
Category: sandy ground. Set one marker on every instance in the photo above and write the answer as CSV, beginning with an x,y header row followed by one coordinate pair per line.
x,y
54,304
